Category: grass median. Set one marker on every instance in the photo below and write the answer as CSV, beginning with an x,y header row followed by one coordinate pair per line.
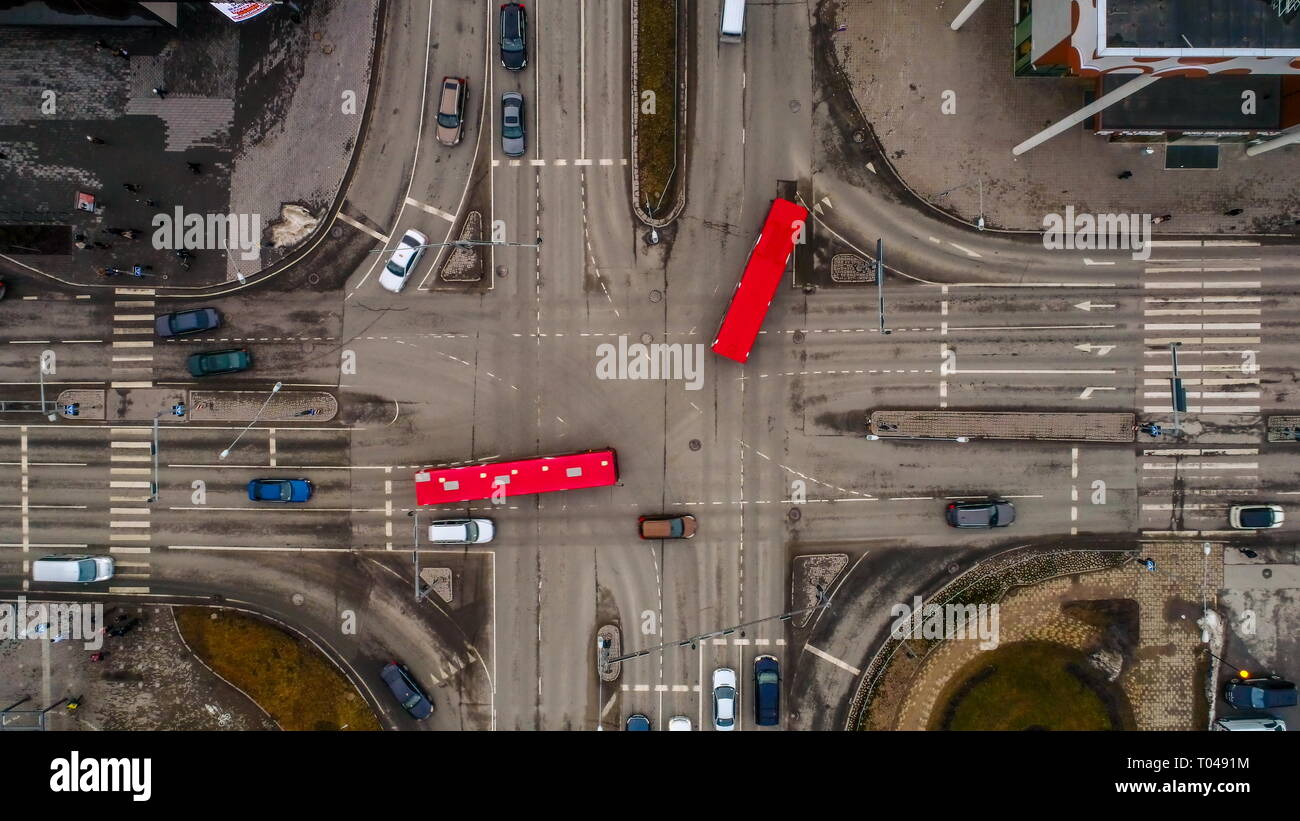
x,y
656,127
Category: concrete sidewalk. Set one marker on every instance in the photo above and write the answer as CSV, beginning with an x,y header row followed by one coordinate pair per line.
x,y
902,57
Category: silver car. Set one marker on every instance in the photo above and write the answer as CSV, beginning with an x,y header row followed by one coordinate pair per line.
x,y
512,124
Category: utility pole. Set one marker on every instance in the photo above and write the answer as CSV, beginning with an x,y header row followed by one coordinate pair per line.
x,y
880,283
1178,394
602,650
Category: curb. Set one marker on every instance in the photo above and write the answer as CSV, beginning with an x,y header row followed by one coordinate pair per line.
x,y
681,110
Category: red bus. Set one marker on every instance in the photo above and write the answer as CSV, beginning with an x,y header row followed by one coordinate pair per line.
x,y
767,260
571,471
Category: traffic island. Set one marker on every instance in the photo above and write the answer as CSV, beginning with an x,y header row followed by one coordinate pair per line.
x,y
243,406
965,426
659,81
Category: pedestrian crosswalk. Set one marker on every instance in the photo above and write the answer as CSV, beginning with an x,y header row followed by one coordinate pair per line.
x,y
1203,305
1190,489
130,484
133,328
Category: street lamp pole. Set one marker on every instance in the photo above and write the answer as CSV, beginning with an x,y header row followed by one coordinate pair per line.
x,y
40,374
880,283
274,391
1176,386
871,437
153,486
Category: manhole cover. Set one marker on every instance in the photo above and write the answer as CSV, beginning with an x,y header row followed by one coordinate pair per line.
x,y
646,339
313,278
794,515
502,272
336,232
1267,573
695,444
859,137
298,599
795,106
798,337
952,568
656,296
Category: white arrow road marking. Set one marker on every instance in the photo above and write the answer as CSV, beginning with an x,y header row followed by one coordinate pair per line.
x,y
827,201
1087,392
968,252
1087,261
817,208
1101,350
1088,306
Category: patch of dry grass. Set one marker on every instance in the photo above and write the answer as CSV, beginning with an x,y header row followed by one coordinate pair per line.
x,y
288,677
656,60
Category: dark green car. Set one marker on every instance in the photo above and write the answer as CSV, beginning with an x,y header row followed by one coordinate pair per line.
x,y
213,362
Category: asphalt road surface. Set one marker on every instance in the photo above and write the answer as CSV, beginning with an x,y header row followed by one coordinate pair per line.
x,y
506,367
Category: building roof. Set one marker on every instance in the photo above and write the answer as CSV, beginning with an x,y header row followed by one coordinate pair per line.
x,y
1196,103
1197,24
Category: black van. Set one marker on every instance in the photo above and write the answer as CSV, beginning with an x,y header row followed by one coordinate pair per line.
x,y
1259,693
767,691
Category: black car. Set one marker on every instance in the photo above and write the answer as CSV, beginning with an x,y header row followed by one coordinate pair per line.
x,y
187,322
514,36
983,513
404,688
767,691
1260,693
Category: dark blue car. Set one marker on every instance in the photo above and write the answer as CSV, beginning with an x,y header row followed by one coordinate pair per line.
x,y
767,691
279,490
404,688
637,723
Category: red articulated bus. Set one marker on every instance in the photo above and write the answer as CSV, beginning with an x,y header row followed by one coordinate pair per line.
x,y
753,296
571,471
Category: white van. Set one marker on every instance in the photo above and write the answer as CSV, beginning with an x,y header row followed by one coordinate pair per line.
x,y
1256,723
70,568
732,29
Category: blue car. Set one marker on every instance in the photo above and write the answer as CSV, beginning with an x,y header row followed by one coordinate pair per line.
x,y
279,490
638,723
406,690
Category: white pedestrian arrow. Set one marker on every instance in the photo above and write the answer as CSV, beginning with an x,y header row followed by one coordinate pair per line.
x,y
1101,350
1087,392
1088,306
827,202
817,207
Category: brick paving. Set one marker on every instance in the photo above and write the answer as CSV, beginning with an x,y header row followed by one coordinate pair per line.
x,y
1074,427
902,57
1160,680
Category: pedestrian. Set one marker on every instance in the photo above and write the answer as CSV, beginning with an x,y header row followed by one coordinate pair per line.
x,y
1232,212
128,234
132,187
114,231
79,237
124,54
161,92
94,140
100,45
195,167
151,203
81,245
1123,175
106,272
1163,218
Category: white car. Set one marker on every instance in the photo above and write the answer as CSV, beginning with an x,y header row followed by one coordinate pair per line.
x,y
1255,517
461,531
679,724
403,261
724,699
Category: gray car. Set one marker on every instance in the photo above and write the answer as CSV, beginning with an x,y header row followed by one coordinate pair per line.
x,y
512,124
187,322
982,513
